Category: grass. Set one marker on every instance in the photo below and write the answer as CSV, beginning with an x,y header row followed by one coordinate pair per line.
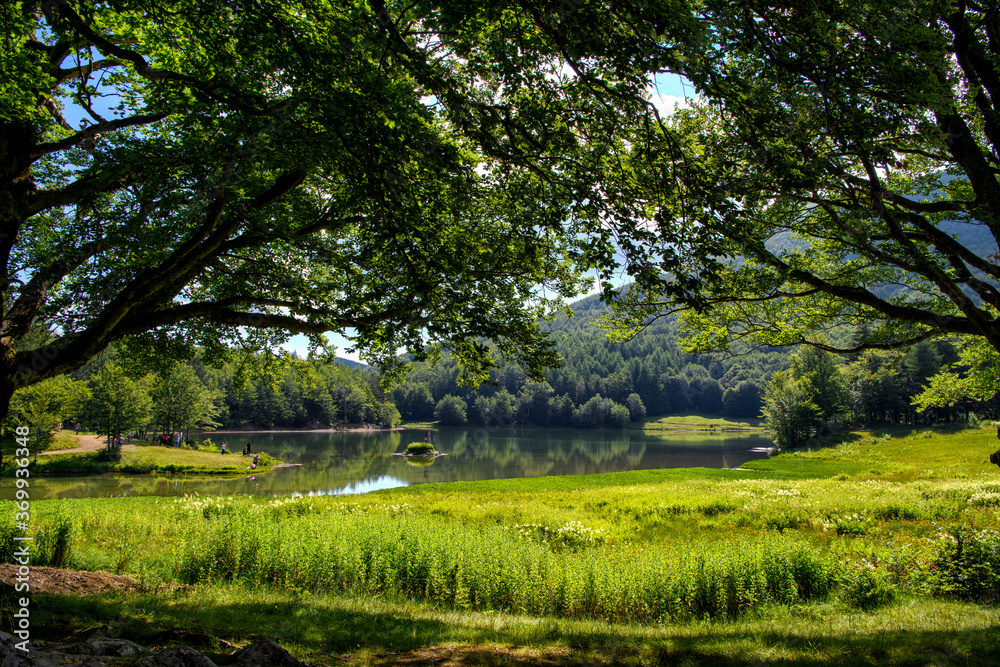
x,y
146,459
360,631
62,441
420,448
420,426
880,550
699,423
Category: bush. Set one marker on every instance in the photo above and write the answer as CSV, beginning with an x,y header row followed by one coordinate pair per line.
x,y
418,448
866,587
966,565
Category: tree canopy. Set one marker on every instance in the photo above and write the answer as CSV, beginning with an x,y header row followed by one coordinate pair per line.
x,y
434,175
177,172
839,167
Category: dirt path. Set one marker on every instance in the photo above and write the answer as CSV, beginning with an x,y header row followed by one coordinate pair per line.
x,y
88,443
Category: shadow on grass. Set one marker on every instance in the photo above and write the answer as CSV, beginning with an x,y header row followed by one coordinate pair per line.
x,y
328,631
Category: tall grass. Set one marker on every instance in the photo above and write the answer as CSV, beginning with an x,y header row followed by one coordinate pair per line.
x,y
423,558
50,545
645,546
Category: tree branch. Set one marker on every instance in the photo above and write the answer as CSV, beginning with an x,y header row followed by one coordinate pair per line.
x,y
92,132
89,184
18,320
64,75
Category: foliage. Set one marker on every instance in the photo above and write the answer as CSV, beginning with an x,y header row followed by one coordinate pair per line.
x,y
866,587
117,404
599,411
820,375
834,169
791,416
420,448
178,174
181,401
451,411
966,565
975,375
44,406
807,400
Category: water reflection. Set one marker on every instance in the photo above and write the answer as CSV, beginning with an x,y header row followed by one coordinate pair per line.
x,y
337,462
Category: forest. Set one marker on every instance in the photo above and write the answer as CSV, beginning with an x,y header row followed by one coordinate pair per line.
x,y
801,393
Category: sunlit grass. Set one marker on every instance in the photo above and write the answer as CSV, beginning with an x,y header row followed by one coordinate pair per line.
x,y
149,459
699,423
62,441
790,561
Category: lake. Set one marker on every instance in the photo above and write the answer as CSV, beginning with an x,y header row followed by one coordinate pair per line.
x,y
356,462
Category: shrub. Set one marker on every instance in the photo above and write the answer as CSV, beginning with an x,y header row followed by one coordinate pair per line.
x,y
966,565
418,448
866,587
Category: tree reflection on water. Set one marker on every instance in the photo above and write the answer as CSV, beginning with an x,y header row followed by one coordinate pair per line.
x,y
338,462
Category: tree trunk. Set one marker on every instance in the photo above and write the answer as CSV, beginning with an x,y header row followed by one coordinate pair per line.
x,y
6,392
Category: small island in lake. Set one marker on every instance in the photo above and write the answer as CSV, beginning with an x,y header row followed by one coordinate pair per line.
x,y
421,449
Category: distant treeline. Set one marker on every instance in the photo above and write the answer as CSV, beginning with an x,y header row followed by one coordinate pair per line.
x,y
607,383
600,383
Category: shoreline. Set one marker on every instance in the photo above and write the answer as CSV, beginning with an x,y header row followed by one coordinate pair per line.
x,y
302,430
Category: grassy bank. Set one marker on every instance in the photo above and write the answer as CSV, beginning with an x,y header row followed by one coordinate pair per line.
x,y
142,460
884,549
699,423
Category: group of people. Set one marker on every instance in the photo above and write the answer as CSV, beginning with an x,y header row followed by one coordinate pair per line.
x,y
247,451
165,440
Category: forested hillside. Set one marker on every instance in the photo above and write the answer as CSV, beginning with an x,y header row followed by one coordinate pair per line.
x,y
802,393
600,382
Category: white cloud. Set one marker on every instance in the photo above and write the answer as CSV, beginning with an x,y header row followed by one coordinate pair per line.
x,y
667,104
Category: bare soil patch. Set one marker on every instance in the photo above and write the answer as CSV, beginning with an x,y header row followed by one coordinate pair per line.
x,y
69,582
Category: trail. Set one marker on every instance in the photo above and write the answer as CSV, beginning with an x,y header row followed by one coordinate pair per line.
x,y
88,443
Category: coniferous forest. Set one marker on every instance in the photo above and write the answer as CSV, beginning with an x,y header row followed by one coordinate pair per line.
x,y
600,383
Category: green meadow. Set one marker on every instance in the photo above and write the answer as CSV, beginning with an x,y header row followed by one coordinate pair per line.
x,y
699,423
882,550
142,459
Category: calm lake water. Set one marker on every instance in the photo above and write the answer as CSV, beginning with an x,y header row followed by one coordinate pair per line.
x,y
333,463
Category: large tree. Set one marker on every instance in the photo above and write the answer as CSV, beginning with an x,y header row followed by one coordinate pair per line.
x,y
411,174
840,165
181,401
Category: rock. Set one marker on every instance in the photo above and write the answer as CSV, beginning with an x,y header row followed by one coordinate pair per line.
x,y
264,652
176,656
38,655
91,645
101,646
